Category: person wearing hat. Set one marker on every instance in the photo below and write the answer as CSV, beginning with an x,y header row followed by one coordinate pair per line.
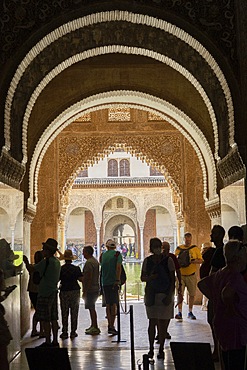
x,y
111,262
69,294
47,306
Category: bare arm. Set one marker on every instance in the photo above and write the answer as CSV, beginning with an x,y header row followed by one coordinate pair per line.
x,y
86,281
29,267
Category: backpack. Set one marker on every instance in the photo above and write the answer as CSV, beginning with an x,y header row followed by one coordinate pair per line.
x,y
184,256
162,283
123,276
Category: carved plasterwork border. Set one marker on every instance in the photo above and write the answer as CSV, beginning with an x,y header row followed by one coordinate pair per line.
x,y
142,101
111,16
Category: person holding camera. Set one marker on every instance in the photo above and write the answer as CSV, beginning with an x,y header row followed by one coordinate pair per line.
x,y
47,304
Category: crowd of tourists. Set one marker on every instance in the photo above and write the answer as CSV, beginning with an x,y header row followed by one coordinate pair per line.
x,y
222,280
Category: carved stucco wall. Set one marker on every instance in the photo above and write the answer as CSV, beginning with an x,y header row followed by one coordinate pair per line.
x,y
68,153
45,223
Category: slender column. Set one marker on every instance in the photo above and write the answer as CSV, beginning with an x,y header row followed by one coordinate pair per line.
x,y
142,242
174,239
62,236
12,228
98,241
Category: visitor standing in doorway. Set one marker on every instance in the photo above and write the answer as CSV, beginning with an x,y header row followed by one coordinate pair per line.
x,y
69,294
189,256
158,273
111,262
91,288
47,305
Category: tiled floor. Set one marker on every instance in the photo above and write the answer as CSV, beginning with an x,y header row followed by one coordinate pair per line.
x,y
106,352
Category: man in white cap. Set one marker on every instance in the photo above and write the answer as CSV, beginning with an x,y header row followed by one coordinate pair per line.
x,y
111,262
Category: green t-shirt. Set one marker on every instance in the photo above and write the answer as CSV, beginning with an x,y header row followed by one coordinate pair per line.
x,y
108,266
50,276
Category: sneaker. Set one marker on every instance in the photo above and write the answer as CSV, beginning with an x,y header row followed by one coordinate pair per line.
x,y
191,316
179,316
90,327
55,345
112,331
73,335
93,331
64,336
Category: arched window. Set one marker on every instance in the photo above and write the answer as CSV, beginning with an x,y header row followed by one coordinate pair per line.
x,y
120,203
112,168
124,167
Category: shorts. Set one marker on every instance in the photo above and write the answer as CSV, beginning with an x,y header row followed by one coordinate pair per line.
x,y
111,294
33,298
90,300
46,309
189,281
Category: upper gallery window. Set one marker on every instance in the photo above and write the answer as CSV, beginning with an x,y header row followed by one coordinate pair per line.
x,y
112,168
124,167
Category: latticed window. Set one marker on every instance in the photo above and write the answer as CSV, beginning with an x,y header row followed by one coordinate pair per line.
x,y
124,167
83,173
112,168
119,114
155,172
130,204
120,203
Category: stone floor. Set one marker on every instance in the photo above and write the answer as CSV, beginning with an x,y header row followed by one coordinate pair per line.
x,y
106,352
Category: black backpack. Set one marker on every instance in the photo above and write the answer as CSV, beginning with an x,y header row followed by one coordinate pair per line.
x,y
123,276
184,256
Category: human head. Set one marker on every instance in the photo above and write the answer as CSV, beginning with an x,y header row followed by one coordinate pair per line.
x,y
236,233
50,246
165,248
155,245
187,238
68,255
88,251
110,244
38,256
235,254
217,234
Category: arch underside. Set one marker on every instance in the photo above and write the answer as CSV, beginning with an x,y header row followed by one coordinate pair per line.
x,y
149,37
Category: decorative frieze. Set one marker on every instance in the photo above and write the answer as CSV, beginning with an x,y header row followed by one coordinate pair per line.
x,y
231,167
11,171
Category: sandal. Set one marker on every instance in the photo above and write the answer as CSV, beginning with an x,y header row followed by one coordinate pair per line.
x,y
161,356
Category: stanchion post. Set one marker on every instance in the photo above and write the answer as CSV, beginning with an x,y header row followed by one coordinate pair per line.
x,y
132,338
125,298
118,323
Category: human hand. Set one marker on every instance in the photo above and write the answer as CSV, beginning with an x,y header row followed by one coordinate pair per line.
x,y
25,259
180,299
9,289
